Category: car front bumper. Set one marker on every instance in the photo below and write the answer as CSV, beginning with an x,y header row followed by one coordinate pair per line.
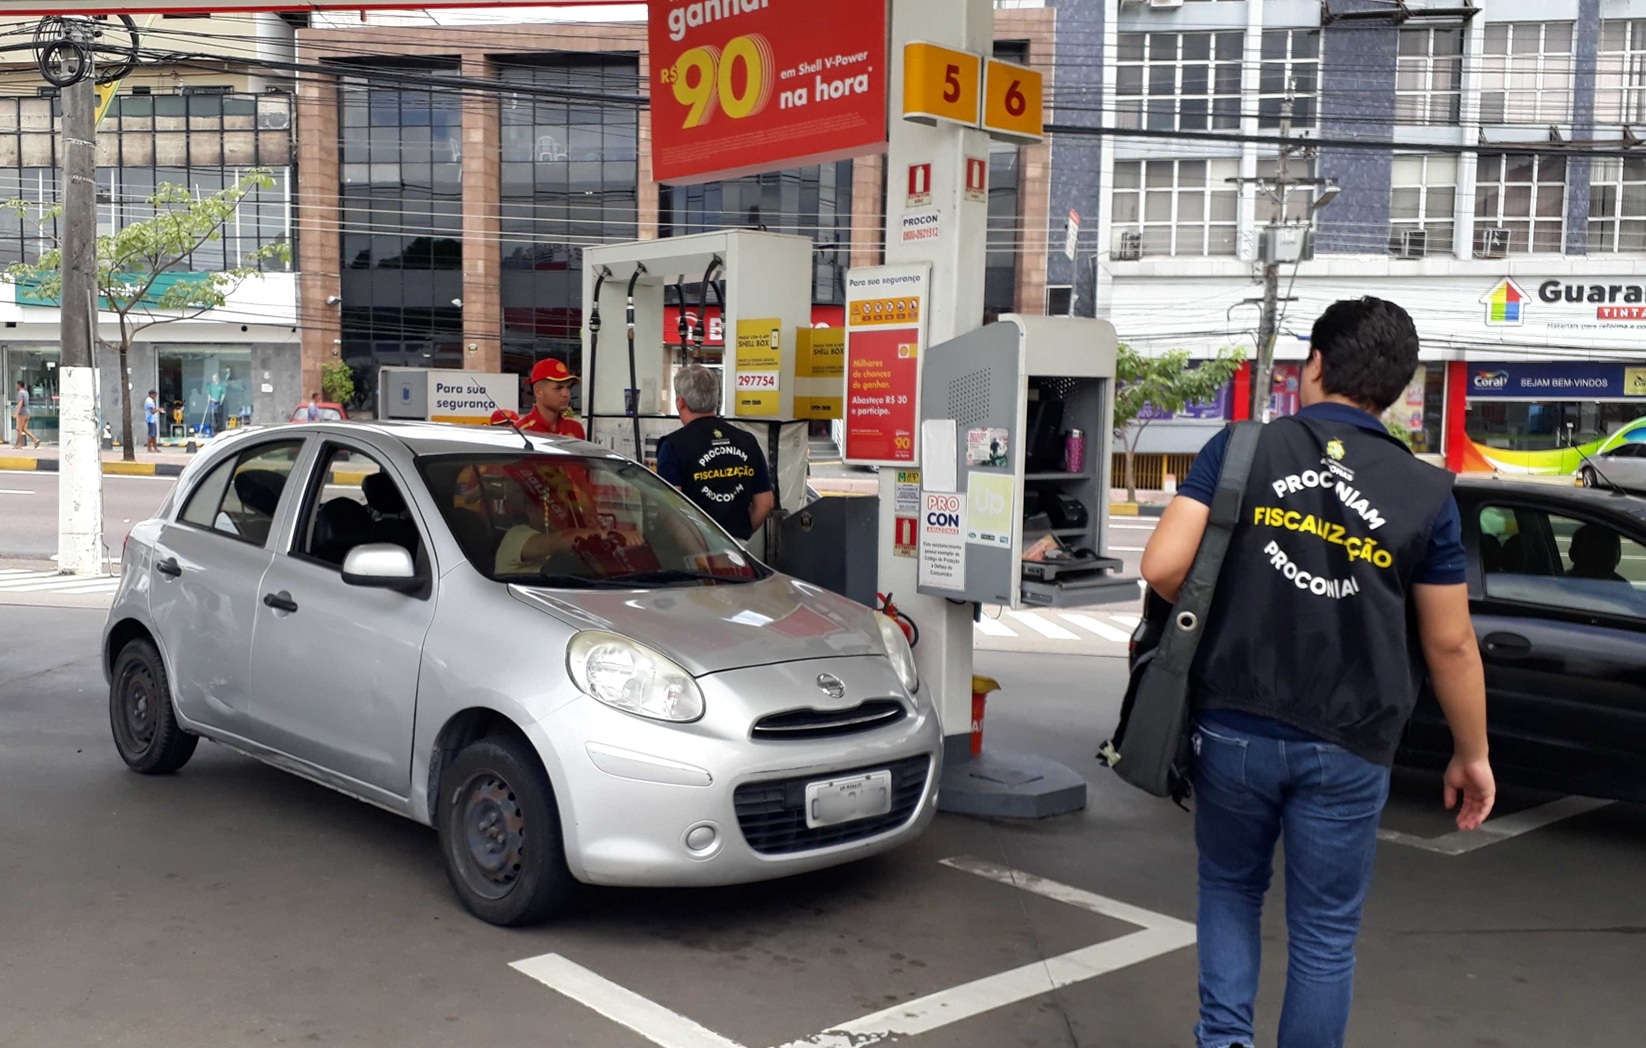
x,y
649,804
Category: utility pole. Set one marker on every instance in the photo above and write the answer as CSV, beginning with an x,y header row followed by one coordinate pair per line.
x,y
80,477
1263,369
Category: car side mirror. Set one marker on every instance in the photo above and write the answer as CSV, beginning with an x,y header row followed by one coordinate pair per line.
x,y
382,565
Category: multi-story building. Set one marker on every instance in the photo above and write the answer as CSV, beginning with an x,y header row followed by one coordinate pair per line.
x,y
452,170
1491,182
201,123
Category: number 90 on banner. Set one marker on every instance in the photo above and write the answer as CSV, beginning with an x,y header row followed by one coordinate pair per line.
x,y
736,80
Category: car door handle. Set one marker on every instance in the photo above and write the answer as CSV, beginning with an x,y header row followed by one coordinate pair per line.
x,y
280,601
1507,645
169,566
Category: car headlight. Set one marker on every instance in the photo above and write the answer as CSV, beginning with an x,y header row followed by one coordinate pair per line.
x,y
898,650
631,677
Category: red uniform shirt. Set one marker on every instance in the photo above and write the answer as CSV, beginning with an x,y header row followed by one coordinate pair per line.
x,y
534,422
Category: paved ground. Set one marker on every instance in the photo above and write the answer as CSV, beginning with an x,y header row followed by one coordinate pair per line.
x,y
28,511
232,905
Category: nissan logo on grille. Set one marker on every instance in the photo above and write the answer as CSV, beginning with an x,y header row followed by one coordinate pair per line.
x,y
831,685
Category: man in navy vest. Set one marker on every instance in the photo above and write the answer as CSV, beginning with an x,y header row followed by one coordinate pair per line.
x,y
1344,580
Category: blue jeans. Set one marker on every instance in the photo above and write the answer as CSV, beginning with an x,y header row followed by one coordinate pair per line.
x,y
1248,788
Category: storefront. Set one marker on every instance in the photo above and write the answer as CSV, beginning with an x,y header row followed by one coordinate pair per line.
x,y
36,368
1544,417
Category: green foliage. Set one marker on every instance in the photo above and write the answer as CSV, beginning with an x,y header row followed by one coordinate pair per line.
x,y
337,382
1397,430
131,260
1166,382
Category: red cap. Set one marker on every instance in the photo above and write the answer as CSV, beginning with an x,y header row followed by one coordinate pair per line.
x,y
504,417
551,370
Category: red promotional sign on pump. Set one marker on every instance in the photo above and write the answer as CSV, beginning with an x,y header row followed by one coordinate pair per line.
x,y
744,86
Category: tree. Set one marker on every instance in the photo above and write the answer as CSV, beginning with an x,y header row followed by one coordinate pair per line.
x,y
337,382
141,269
1165,384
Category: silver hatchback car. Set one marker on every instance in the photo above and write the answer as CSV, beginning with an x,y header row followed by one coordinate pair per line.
x,y
543,651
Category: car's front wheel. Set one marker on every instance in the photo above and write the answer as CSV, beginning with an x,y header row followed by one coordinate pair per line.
x,y
146,731
500,833
1589,478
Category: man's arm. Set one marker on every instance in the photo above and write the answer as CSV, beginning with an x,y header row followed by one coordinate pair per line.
x,y
1453,656
760,507
1170,552
667,467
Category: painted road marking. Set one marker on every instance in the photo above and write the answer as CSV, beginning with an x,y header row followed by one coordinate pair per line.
x,y
1131,622
1158,934
1050,630
993,627
1097,626
1496,831
621,1005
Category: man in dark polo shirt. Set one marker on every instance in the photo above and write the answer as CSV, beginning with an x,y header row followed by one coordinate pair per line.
x,y
1343,581
712,462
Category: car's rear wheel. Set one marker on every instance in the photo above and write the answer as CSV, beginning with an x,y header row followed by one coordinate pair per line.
x,y
1588,476
145,726
500,833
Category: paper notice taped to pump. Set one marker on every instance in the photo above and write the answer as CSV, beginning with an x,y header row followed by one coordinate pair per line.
x,y
906,495
943,540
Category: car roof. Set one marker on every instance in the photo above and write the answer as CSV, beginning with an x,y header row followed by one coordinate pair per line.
x,y
442,438
1482,486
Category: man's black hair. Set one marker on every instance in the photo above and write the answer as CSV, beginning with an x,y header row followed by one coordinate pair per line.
x,y
1368,350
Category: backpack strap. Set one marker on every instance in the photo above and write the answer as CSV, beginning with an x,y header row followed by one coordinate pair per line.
x,y
1187,625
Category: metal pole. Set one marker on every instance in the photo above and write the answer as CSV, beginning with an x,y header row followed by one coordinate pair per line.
x,y
1263,372
80,481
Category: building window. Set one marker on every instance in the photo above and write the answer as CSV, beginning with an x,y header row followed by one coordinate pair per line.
x,y
1429,76
1004,242
1179,81
402,226
1620,76
1526,73
1422,202
813,202
1617,205
1291,64
1520,204
569,181
1175,207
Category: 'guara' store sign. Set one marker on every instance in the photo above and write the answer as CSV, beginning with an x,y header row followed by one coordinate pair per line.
x,y
1592,304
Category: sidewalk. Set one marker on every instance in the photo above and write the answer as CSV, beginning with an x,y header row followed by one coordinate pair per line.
x,y
168,462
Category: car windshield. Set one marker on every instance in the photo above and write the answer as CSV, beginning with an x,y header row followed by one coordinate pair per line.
x,y
579,523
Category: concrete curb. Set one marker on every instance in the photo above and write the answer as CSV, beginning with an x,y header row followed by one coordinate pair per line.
x,y
112,469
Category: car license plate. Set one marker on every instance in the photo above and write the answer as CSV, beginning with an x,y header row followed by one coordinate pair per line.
x,y
843,800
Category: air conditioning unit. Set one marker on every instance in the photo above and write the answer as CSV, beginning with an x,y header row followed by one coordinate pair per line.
x,y
1492,242
1128,247
1414,243
273,118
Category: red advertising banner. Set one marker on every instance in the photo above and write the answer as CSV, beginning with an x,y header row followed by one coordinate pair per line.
x,y
744,86
885,336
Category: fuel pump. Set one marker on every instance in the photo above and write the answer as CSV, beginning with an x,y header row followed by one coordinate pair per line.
x,y
762,282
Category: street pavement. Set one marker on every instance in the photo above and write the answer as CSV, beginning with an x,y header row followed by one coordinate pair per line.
x,y
233,905
28,511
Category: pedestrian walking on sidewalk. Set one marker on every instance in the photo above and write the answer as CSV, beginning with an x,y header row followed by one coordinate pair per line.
x,y
20,412
1344,580
151,419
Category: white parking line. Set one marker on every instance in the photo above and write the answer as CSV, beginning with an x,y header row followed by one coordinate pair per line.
x,y
1102,629
1158,934
621,1005
993,627
1050,630
1496,831
1128,621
